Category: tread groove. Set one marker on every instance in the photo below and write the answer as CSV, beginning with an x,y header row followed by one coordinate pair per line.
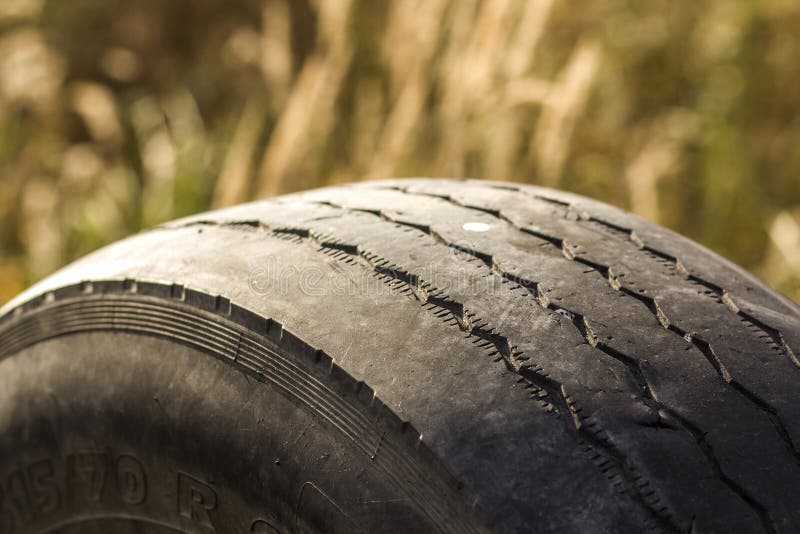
x,y
708,351
710,289
628,234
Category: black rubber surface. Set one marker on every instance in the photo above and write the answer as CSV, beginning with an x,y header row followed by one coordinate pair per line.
x,y
416,355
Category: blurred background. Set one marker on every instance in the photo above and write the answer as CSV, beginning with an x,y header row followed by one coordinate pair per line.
x,y
118,115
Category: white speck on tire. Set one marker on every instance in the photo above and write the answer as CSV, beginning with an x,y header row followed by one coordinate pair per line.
x,y
476,227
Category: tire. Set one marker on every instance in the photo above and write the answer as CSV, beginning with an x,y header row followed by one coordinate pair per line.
x,y
415,356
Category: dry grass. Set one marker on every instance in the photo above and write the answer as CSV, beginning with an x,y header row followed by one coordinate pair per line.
x,y
115,116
